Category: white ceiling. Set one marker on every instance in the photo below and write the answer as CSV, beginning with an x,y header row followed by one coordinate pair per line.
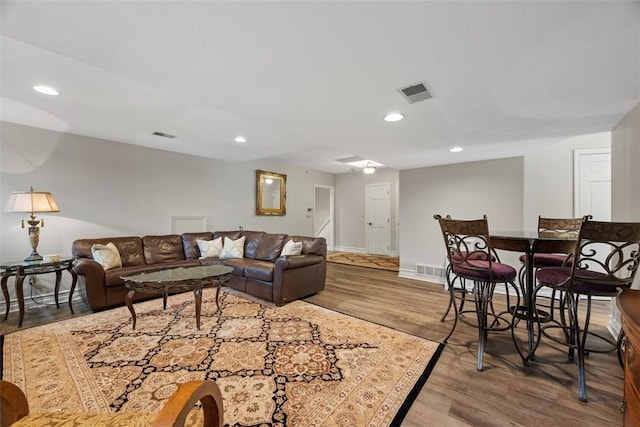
x,y
309,82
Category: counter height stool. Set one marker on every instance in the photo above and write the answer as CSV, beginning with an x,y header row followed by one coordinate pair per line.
x,y
541,260
472,260
606,260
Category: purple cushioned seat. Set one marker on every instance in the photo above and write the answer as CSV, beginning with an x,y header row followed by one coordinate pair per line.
x,y
479,270
548,260
556,277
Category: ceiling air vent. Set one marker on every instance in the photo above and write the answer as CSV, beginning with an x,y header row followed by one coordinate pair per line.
x,y
415,93
164,135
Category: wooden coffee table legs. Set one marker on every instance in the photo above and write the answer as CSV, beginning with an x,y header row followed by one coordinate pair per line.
x,y
129,301
197,293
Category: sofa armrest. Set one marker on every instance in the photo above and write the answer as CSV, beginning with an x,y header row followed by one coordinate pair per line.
x,y
93,276
297,276
297,261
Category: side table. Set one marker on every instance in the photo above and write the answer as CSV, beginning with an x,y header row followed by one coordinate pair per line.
x,y
21,269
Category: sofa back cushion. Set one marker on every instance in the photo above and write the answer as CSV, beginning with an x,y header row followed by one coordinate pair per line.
x,y
233,235
312,245
270,247
130,248
251,242
191,250
159,249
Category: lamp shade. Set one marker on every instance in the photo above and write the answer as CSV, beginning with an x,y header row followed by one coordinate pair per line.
x,y
31,201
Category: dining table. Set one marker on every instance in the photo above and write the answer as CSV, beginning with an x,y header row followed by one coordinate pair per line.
x,y
530,243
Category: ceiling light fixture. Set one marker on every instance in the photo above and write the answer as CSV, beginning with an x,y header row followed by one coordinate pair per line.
x,y
47,90
369,169
393,117
456,149
240,139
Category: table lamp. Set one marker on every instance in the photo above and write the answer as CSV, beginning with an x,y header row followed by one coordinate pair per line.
x,y
32,202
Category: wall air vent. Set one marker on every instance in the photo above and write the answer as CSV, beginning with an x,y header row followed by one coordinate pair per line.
x,y
164,135
415,93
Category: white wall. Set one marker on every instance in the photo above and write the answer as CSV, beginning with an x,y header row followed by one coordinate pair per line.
x,y
465,190
351,226
548,177
106,188
625,171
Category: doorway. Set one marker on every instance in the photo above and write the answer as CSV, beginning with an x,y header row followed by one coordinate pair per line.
x,y
378,219
592,184
323,214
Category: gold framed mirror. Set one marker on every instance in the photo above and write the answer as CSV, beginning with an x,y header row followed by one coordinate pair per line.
x,y
271,193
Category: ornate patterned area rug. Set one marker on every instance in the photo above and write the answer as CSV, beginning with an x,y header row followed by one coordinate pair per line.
x,y
300,364
380,262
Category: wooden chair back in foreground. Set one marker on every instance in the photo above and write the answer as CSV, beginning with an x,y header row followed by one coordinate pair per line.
x,y
14,409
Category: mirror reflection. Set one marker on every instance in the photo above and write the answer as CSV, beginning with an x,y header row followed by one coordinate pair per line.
x,y
270,193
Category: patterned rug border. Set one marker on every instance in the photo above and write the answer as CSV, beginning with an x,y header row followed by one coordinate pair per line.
x,y
404,405
356,264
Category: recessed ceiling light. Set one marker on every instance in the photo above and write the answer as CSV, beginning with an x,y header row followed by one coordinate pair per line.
x,y
456,149
240,139
393,117
46,90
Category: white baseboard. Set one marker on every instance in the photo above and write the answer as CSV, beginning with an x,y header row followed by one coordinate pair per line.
x,y
411,274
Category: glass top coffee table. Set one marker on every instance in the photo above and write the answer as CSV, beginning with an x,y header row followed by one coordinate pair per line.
x,y
177,279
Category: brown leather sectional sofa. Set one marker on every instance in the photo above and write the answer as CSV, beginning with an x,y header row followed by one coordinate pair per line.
x,y
262,272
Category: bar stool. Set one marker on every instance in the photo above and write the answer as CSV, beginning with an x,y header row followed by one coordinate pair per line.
x,y
542,260
606,259
472,260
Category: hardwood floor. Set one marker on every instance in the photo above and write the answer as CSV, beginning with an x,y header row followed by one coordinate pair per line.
x,y
505,394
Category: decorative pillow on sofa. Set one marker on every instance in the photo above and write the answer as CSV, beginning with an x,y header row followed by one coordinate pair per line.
x,y
210,248
107,255
292,248
233,248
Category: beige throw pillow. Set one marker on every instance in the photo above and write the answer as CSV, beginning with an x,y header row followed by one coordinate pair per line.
x,y
233,248
107,255
210,248
292,248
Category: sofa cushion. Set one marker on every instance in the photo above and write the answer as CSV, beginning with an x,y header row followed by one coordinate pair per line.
x,y
270,247
113,277
232,248
259,270
253,239
210,248
107,255
189,242
233,235
312,245
159,249
238,265
130,248
292,248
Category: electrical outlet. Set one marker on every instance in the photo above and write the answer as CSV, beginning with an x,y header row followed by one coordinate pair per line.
x,y
32,281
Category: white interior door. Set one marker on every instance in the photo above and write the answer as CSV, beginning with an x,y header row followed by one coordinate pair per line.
x,y
378,217
593,184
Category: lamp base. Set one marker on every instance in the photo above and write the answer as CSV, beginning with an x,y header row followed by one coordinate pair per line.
x,y
35,256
